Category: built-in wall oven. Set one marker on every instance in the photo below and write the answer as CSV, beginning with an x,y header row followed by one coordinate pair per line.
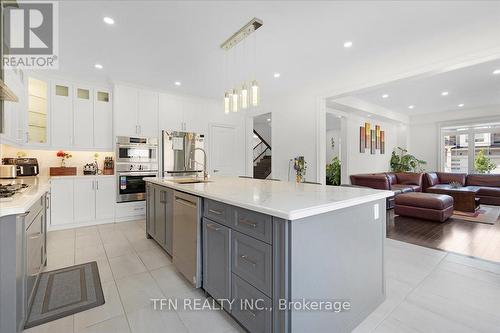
x,y
136,159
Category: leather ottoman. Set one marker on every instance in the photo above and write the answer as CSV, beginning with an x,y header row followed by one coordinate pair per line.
x,y
427,206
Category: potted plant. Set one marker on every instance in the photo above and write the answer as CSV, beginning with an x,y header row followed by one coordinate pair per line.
x,y
483,163
403,162
300,167
333,172
64,156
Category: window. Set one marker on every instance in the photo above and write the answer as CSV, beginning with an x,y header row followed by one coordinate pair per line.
x,y
461,154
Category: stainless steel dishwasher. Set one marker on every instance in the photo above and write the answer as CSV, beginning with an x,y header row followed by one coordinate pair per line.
x,y
186,240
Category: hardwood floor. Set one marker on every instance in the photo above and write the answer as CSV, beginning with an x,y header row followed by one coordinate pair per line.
x,y
467,238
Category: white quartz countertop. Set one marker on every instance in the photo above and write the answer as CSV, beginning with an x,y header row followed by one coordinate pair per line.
x,y
290,201
20,203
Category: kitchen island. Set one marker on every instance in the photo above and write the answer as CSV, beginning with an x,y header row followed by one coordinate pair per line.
x,y
23,225
292,257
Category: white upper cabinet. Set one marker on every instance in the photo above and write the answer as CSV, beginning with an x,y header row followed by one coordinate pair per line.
x,y
147,113
14,111
103,119
83,116
170,112
125,111
61,114
135,112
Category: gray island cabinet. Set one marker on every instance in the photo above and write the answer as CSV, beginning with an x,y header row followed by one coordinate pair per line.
x,y
287,257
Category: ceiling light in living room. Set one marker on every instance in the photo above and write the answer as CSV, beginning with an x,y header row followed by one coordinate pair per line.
x,y
444,93
411,106
347,44
98,66
460,105
108,20
276,75
496,71
385,96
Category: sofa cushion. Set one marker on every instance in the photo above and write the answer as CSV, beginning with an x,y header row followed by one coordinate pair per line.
x,y
409,178
448,177
483,180
489,191
425,200
402,188
376,181
431,179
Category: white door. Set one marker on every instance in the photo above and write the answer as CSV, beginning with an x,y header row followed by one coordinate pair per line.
x,y
125,111
103,120
62,115
105,198
61,199
170,110
147,113
84,200
224,151
83,115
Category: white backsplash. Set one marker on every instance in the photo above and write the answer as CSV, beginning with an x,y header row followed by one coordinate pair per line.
x,y
48,158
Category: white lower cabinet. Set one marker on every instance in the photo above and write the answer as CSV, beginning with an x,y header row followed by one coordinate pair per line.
x,y
61,199
105,198
82,200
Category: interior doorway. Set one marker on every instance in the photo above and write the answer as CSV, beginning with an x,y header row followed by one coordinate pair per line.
x,y
262,146
333,148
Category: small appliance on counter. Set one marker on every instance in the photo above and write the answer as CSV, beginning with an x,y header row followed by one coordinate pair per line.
x,y
90,169
8,171
24,166
109,166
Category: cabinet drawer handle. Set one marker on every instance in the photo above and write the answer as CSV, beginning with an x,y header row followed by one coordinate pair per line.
x,y
185,202
216,212
247,222
139,208
245,257
213,227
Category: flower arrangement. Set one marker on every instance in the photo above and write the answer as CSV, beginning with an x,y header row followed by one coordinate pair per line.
x,y
455,184
300,167
63,157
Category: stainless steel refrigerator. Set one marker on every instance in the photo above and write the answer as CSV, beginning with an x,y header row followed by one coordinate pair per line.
x,y
179,157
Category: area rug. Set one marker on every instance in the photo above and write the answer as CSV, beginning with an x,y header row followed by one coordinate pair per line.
x,y
65,291
485,214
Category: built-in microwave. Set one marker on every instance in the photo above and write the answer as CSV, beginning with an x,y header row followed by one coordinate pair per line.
x,y
136,150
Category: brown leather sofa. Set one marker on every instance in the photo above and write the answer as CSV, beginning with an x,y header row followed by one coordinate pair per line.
x,y
399,182
427,206
489,185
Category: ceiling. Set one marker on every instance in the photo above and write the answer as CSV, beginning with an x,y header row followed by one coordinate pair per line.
x,y
155,43
474,87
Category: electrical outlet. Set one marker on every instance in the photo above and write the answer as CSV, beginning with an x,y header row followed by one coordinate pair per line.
x,y
376,211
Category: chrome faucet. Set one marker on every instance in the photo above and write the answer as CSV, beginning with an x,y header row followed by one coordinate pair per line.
x,y
205,173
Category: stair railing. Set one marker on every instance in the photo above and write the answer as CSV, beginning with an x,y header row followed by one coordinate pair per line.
x,y
261,149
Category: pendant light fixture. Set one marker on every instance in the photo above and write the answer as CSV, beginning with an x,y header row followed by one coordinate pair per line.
x,y
245,97
249,93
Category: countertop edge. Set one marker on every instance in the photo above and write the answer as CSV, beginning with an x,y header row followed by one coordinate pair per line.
x,y
291,215
21,209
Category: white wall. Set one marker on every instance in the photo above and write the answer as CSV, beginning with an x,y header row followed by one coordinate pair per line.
x,y
264,131
366,162
331,153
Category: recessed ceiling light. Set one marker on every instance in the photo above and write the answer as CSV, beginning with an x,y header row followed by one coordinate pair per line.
x,y
496,71
268,119
108,20
444,93
385,96
347,44
460,105
369,116
276,75
177,83
411,106
98,66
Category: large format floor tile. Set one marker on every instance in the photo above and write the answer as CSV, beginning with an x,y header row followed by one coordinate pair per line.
x,y
427,290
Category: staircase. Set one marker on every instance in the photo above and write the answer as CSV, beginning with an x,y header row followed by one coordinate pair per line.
x,y
262,169
261,158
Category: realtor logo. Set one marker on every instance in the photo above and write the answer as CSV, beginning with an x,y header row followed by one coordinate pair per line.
x,y
30,34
